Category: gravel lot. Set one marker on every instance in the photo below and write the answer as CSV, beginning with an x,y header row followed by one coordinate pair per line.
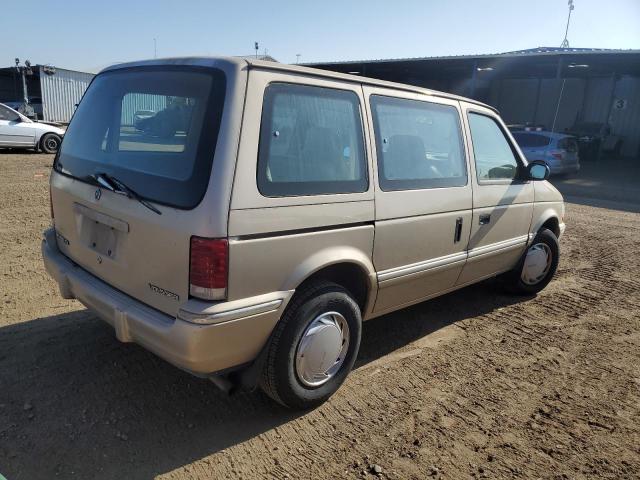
x,y
475,384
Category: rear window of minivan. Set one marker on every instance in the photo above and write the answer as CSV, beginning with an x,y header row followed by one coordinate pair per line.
x,y
153,128
529,140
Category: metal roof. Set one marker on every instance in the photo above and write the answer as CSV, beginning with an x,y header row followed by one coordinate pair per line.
x,y
531,52
218,62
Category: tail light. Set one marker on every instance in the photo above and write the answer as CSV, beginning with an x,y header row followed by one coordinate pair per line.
x,y
558,155
209,262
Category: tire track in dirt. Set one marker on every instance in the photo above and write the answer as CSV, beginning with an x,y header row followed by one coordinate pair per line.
x,y
472,385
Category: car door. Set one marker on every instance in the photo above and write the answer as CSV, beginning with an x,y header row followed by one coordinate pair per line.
x,y
423,196
303,196
13,131
502,200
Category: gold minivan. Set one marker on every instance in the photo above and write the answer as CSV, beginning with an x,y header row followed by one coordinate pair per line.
x,y
240,218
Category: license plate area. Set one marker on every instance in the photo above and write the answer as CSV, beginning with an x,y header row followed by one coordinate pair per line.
x,y
99,232
103,239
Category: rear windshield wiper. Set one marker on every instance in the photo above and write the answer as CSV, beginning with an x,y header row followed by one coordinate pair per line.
x,y
112,183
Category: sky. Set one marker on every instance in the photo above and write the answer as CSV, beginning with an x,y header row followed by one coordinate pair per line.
x,y
88,35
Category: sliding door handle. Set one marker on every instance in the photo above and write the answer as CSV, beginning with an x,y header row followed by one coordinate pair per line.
x,y
458,231
485,219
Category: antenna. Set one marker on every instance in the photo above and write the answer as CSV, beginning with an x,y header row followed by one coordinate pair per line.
x,y
565,42
155,48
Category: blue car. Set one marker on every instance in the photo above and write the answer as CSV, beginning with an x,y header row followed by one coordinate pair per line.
x,y
557,150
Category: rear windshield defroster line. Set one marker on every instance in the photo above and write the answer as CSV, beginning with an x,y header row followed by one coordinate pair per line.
x,y
155,128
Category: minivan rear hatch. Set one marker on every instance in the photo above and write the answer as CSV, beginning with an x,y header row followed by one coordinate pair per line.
x,y
135,163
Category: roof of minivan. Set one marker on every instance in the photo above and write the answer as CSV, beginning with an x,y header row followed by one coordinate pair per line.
x,y
301,70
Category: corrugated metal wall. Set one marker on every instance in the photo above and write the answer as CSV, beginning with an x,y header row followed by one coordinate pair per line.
x,y
626,121
570,102
517,99
592,100
61,92
597,99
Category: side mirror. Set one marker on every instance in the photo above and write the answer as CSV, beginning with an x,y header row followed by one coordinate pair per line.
x,y
538,170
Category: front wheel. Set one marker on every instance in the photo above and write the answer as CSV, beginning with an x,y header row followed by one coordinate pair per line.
x,y
50,143
314,346
537,266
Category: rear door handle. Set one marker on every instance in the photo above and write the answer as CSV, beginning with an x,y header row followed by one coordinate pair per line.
x,y
458,231
485,219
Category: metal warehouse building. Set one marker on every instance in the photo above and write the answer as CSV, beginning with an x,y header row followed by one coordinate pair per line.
x,y
554,87
52,91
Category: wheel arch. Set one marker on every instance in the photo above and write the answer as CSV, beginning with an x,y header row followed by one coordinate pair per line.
x,y
553,224
549,218
346,266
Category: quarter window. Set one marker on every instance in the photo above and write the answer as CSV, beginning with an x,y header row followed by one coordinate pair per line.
x,y
419,144
311,142
494,157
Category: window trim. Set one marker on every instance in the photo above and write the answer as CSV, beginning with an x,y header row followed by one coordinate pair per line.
x,y
374,124
261,179
518,179
214,119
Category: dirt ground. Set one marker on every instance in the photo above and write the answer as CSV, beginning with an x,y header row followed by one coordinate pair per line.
x,y
475,384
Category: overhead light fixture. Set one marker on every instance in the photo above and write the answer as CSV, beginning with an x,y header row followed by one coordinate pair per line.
x,y
578,65
485,69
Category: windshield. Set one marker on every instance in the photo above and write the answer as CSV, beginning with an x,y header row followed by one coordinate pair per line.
x,y
146,126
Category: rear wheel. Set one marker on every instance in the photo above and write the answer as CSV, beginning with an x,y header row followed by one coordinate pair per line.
x,y
314,346
50,143
537,265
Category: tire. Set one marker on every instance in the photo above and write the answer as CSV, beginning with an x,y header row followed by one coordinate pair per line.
x,y
518,281
281,376
50,143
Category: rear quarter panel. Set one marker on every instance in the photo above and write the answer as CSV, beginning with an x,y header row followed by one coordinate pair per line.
x,y
277,242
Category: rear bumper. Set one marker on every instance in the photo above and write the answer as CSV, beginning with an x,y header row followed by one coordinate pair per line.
x,y
203,339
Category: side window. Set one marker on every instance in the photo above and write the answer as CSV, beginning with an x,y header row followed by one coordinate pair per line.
x,y
6,114
495,159
311,142
419,144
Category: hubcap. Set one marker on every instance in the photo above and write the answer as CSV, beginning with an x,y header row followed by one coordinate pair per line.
x,y
322,349
536,264
52,143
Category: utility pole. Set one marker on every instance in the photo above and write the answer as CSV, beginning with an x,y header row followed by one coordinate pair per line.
x,y
565,42
298,58
256,46
25,109
155,48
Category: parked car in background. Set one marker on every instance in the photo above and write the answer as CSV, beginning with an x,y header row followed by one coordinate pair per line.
x,y
18,131
140,116
557,150
33,110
